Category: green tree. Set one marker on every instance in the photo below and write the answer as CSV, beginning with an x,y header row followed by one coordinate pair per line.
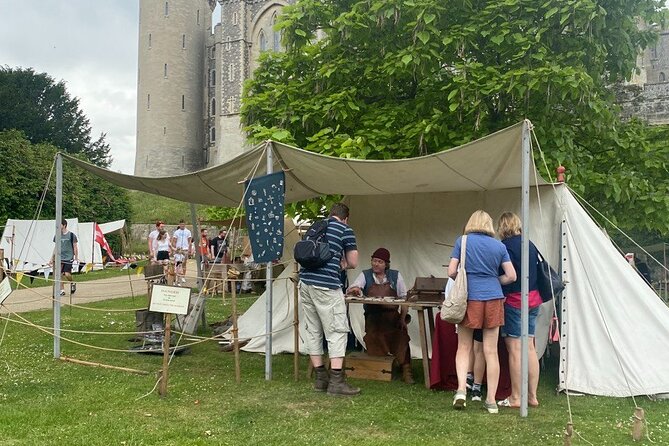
x,y
26,168
400,78
43,109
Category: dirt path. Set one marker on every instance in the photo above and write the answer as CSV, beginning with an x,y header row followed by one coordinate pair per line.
x,y
30,299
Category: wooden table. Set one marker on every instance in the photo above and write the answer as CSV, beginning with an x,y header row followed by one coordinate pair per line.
x,y
421,308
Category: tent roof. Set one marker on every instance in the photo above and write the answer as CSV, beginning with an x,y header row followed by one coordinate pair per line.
x,y
489,163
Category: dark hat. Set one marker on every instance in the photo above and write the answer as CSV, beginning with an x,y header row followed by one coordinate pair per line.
x,y
382,254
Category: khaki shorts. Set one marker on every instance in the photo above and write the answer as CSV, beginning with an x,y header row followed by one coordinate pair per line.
x,y
484,313
324,315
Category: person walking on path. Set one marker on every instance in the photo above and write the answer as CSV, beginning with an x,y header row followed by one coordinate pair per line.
x,y
69,253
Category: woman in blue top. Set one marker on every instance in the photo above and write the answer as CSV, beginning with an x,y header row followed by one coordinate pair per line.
x,y
485,302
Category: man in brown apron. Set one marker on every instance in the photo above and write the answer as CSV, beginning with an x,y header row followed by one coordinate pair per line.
x,y
385,327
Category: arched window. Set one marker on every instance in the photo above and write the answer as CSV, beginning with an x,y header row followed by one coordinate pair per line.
x,y
231,73
148,102
235,18
212,78
213,52
213,106
262,41
183,41
212,133
663,78
228,44
231,105
149,40
183,102
165,71
276,44
167,9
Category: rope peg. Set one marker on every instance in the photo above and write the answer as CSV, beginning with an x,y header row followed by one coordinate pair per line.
x,y
639,424
568,433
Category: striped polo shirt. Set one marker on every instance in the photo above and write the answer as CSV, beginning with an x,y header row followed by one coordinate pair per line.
x,y
341,239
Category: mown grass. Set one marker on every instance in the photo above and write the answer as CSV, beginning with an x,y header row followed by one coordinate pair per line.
x,y
47,401
147,208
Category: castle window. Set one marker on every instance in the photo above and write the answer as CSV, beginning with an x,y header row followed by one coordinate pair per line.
x,y
276,34
213,107
148,102
662,77
231,73
165,71
228,44
183,41
167,9
262,41
206,156
235,18
231,104
149,40
198,16
183,102
212,78
213,52
164,130
212,134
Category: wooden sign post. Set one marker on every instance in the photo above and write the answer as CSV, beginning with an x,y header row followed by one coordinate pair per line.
x,y
169,300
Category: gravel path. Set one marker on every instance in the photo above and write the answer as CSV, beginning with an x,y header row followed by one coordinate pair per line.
x,y
30,299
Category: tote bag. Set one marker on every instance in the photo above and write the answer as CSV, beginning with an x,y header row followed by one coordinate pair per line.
x,y
455,305
549,282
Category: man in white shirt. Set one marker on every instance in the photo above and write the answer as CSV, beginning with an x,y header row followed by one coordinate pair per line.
x,y
182,240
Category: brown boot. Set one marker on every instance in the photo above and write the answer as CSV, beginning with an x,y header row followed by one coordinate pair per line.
x,y
322,379
339,386
407,374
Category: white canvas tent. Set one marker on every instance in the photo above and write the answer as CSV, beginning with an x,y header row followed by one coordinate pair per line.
x,y
33,242
614,329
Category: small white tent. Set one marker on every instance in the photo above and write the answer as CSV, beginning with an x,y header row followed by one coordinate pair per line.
x,y
29,243
614,329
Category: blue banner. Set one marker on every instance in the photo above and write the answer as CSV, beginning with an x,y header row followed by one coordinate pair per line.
x,y
264,203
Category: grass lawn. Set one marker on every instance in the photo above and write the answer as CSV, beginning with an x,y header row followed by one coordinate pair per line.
x,y
50,402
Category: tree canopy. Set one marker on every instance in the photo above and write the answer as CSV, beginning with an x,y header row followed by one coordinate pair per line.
x,y
398,78
26,168
44,111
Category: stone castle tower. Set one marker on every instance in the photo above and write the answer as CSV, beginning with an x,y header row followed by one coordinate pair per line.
x,y
190,80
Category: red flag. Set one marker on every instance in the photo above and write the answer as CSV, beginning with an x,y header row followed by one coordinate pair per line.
x,y
102,241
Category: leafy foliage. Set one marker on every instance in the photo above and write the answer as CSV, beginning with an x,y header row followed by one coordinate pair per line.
x,y
26,168
381,79
43,109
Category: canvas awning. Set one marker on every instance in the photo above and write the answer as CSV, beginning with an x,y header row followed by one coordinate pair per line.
x,y
489,163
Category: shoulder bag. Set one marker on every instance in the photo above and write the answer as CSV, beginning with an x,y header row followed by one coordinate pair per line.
x,y
455,304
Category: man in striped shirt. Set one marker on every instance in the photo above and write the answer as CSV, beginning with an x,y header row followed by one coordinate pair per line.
x,y
324,306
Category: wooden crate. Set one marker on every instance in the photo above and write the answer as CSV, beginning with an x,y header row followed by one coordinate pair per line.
x,y
361,365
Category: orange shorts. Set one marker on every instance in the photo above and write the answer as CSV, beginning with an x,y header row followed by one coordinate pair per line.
x,y
484,314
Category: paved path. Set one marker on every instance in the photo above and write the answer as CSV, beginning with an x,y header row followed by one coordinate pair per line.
x,y
30,299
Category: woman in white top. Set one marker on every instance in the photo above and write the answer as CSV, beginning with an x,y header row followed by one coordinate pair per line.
x,y
162,248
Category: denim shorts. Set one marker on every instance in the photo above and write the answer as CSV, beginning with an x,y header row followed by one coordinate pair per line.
x,y
511,326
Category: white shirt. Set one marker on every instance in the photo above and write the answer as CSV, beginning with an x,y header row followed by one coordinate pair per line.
x,y
153,235
360,282
182,236
161,245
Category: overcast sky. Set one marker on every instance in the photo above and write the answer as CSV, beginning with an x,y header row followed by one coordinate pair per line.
x,y
92,46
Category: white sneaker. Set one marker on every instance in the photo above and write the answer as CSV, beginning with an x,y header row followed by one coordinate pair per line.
x,y
62,292
183,280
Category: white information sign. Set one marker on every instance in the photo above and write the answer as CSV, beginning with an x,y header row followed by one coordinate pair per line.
x,y
5,289
169,299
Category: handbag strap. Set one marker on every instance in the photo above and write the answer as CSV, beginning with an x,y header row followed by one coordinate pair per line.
x,y
463,251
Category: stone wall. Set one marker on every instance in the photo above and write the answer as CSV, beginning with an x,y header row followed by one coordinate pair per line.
x,y
649,102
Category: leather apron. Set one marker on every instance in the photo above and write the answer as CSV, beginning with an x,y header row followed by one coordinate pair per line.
x,y
384,334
